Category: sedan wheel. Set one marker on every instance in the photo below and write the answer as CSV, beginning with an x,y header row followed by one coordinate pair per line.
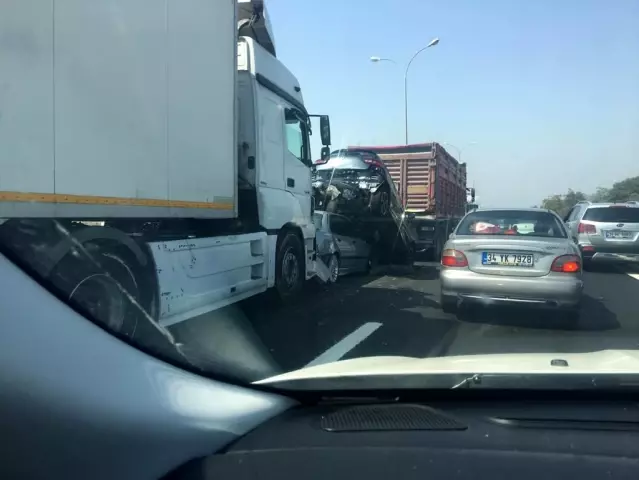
x,y
384,204
448,304
333,268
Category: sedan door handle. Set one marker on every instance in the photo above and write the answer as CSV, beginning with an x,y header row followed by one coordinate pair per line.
x,y
290,182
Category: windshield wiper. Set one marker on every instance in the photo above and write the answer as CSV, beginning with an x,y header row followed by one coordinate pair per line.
x,y
467,382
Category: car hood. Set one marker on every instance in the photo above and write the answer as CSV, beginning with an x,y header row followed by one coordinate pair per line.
x,y
601,362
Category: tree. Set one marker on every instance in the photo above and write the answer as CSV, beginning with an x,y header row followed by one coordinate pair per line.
x,y
572,198
561,204
601,195
554,202
624,190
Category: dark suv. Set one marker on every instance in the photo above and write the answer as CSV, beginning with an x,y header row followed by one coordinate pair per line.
x,y
355,181
605,232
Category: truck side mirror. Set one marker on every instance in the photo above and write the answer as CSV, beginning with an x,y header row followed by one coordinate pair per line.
x,y
325,130
325,153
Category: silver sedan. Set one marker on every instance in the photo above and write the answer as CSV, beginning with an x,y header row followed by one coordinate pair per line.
x,y
340,245
521,257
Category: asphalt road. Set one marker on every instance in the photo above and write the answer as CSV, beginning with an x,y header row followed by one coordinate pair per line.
x,y
396,312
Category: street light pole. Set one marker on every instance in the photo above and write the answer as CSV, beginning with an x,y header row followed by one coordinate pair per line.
x,y
432,43
459,150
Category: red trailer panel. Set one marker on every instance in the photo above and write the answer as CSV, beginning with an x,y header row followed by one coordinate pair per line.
x,y
428,178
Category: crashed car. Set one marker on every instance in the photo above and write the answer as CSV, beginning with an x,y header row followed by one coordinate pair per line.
x,y
355,182
341,245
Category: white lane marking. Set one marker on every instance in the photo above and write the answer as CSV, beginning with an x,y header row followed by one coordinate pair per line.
x,y
634,275
346,344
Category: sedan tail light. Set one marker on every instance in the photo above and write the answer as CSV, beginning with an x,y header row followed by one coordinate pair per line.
x,y
586,228
454,258
373,161
566,264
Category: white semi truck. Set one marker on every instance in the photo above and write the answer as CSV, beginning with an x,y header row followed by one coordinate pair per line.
x,y
154,156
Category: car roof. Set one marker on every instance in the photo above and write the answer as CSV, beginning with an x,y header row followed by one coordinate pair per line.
x,y
510,209
610,204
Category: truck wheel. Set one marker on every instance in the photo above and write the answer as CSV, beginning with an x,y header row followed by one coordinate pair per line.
x,y
104,288
290,267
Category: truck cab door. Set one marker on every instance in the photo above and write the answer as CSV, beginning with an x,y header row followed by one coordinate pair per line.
x,y
297,161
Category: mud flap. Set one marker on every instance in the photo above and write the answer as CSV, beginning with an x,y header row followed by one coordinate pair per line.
x,y
321,270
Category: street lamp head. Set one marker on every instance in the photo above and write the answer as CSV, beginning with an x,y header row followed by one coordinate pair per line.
x,y
376,59
433,42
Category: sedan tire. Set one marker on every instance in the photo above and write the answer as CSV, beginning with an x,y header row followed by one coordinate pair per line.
x,y
571,315
448,304
333,269
587,265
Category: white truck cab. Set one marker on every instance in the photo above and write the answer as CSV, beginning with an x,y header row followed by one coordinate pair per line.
x,y
155,157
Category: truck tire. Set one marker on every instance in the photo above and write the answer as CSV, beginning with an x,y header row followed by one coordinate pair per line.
x,y
290,268
104,288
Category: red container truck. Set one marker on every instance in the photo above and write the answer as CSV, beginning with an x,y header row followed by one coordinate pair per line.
x,y
432,187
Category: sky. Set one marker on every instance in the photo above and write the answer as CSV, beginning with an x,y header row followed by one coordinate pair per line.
x,y
539,96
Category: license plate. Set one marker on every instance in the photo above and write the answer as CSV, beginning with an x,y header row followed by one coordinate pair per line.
x,y
427,229
507,259
618,234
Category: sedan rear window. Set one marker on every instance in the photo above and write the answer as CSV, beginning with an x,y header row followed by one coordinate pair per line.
x,y
353,161
617,214
512,222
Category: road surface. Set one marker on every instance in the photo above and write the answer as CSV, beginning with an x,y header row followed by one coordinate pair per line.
x,y
396,312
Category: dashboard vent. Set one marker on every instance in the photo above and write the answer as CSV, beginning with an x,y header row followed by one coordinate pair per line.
x,y
387,418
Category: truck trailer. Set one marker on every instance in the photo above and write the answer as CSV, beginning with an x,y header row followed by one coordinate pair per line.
x,y
432,187
155,160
